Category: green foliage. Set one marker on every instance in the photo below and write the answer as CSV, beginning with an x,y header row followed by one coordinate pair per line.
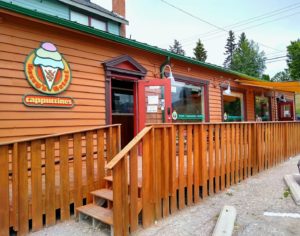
x,y
247,58
287,192
230,48
177,48
265,77
200,52
282,76
293,60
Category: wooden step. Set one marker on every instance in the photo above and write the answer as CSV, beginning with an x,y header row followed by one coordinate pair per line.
x,y
110,179
99,213
103,193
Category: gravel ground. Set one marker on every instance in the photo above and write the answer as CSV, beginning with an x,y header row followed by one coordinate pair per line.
x,y
252,197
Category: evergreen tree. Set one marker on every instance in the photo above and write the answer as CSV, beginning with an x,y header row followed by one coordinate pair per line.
x,y
282,76
247,58
199,51
177,48
230,47
293,60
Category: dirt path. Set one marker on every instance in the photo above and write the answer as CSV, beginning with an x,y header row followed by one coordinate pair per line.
x,y
252,197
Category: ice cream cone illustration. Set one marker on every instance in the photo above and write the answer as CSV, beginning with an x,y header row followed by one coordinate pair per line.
x,y
50,61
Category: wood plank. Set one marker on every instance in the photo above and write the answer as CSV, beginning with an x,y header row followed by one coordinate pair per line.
x,y
250,152
4,191
133,171
223,153
15,187
125,210
89,164
189,165
196,163
173,170
166,171
228,152
242,149
203,168
211,159
100,158
158,172
23,189
217,157
245,151
181,167
50,182
148,210
77,169
64,178
233,155
36,185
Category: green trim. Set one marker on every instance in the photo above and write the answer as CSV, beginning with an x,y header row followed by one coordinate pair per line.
x,y
115,38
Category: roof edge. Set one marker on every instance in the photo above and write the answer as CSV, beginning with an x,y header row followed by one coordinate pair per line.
x,y
116,38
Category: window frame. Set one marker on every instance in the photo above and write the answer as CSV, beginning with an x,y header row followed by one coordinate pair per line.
x,y
256,94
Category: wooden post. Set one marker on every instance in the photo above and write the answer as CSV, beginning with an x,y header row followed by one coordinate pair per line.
x,y
4,192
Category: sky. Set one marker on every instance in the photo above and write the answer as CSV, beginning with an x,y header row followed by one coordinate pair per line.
x,y
273,24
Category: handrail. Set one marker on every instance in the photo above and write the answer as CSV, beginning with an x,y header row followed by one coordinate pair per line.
x,y
220,123
60,134
127,148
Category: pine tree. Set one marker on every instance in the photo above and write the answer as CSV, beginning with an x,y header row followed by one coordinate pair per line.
x,y
177,48
230,47
247,58
199,51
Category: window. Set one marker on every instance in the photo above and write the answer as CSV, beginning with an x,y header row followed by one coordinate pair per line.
x,y
187,102
79,18
262,108
233,107
122,101
98,24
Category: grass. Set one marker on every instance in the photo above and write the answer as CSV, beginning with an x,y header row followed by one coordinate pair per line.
x,y
287,192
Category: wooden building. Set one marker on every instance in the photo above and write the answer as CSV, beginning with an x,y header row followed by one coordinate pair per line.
x,y
60,74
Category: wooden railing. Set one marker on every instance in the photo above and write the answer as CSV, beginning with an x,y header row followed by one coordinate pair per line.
x,y
46,178
177,165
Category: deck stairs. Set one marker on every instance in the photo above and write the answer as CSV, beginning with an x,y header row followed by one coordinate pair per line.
x,y
101,208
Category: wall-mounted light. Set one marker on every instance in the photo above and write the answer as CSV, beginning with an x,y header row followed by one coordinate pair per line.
x,y
170,76
226,85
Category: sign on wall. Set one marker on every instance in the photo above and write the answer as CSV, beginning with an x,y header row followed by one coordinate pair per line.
x,y
49,73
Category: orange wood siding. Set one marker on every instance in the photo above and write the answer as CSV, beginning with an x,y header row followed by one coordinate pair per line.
x,y
85,55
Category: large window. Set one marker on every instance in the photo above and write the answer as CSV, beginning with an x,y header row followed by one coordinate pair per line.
x,y
233,107
89,21
262,108
187,102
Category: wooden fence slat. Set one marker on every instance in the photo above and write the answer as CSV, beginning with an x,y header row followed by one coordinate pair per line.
x,y
133,171
196,163
203,167
242,150
100,158
211,159
233,155
77,169
89,165
181,167
237,153
15,187
4,191
165,171
189,165
36,185
249,150
228,150
158,175
217,157
245,151
50,182
147,193
64,178
223,153
173,170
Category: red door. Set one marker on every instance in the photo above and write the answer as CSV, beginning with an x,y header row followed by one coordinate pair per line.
x,y
154,102
285,111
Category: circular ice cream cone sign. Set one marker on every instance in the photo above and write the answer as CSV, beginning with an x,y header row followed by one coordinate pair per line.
x,y
47,71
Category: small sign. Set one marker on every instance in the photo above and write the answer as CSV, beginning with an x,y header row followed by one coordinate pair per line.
x,y
47,101
153,87
173,89
153,100
151,109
